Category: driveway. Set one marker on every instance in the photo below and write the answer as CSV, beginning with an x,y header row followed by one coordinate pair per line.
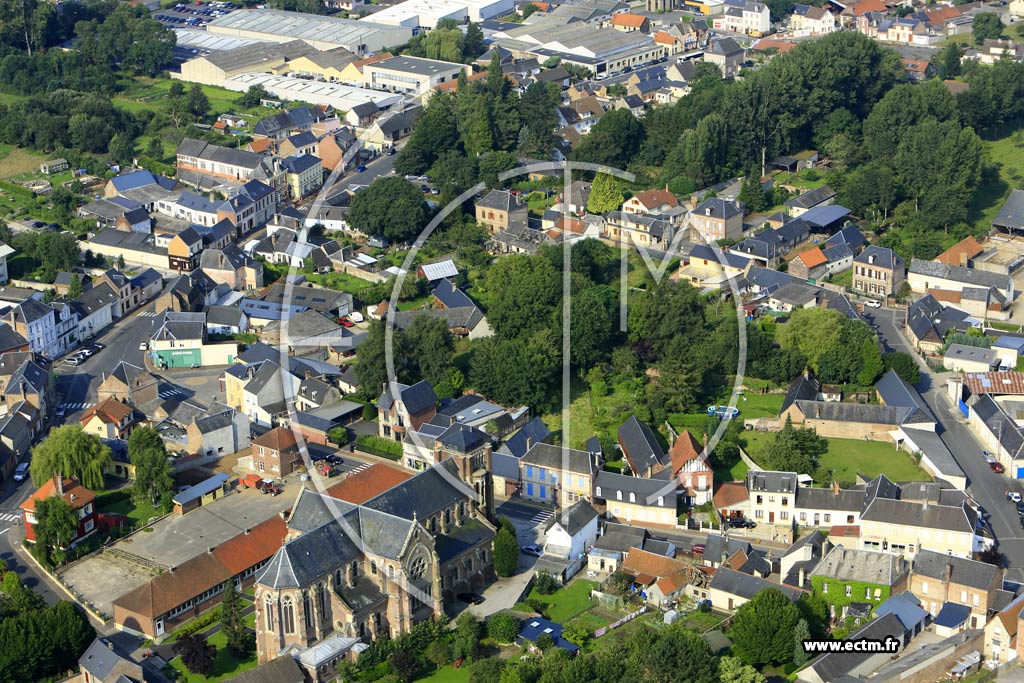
x,y
985,486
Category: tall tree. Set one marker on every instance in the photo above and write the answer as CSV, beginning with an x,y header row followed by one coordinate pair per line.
x,y
148,454
390,207
198,102
986,25
71,452
795,450
506,553
614,140
56,523
605,194
763,629
232,623
196,654
733,670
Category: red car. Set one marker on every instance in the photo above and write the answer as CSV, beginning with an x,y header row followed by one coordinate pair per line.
x,y
345,322
698,549
997,467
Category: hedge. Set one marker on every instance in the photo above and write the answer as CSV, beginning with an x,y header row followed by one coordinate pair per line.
x,y
378,445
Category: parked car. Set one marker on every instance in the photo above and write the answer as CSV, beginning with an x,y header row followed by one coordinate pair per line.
x,y
434,190
334,459
532,549
143,346
873,304
391,150
97,346
411,176
424,188
470,598
697,549
345,322
741,523
997,467
317,456
1014,496
360,168
61,411
21,472
75,360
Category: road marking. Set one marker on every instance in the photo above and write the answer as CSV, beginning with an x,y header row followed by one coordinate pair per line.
x,y
171,393
8,517
148,314
72,407
541,517
359,469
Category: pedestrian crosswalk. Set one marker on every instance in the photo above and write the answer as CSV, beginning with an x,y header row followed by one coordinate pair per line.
x,y
147,314
9,517
359,469
173,393
72,407
541,517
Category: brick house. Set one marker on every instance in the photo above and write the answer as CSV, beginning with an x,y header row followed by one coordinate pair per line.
x,y
878,272
716,219
937,578
109,419
413,406
74,494
500,209
276,453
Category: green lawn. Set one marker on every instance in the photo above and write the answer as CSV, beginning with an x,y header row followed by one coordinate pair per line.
x,y
754,405
225,664
848,457
1008,153
448,674
737,472
590,415
843,279
565,603
121,501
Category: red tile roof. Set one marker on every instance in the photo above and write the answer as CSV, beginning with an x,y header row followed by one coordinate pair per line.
x,y
654,198
110,411
278,439
374,480
730,493
75,495
166,591
663,38
685,449
813,257
644,562
996,383
765,44
629,20
966,248
245,550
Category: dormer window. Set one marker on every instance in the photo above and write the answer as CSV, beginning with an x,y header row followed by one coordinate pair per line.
x,y
632,497
618,495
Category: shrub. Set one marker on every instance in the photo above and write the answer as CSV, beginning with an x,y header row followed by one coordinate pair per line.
x,y
378,445
369,412
338,435
536,605
503,627
545,583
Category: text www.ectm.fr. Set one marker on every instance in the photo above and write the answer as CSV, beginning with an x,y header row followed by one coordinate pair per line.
x,y
889,645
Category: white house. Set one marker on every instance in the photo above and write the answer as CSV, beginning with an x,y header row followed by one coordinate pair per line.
x,y
5,251
571,532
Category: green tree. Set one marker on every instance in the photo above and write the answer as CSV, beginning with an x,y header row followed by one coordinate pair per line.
x,y
605,194
492,164
391,207
252,97
763,629
439,653
198,103
530,288
55,527
17,598
871,367
733,670
121,148
338,435
904,365
812,331
426,349
986,25
948,60
232,622
795,450
148,454
506,553
503,627
43,644
752,193
196,654
468,632
71,452
75,288
518,371
404,665
614,140
801,634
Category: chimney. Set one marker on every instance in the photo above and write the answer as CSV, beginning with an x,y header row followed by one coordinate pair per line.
x,y
248,531
284,515
309,374
801,578
110,646
209,550
835,487
59,481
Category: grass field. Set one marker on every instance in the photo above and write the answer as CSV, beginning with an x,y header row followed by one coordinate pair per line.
x,y
759,405
448,674
15,160
121,501
848,457
565,603
590,415
225,664
737,472
1008,153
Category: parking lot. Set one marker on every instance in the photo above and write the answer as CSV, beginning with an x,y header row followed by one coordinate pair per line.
x,y
194,14
100,579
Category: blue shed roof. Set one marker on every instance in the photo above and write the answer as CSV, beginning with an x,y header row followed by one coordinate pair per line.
x,y
821,216
952,615
532,629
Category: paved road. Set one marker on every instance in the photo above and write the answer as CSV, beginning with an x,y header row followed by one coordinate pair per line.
x,y
380,166
984,485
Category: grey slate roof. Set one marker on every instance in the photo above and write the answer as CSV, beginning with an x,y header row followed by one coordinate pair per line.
x,y
574,519
720,208
979,278
501,200
534,431
856,412
834,666
641,446
747,586
828,499
958,518
868,566
557,457
881,257
771,481
812,198
309,557
1005,429
177,325
423,495
1011,215
894,391
959,570
451,296
99,659
417,397
648,492
804,388
284,669
851,236
463,438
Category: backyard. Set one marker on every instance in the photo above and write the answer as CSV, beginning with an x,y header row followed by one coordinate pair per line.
x,y
565,603
225,664
590,414
1008,153
120,501
848,457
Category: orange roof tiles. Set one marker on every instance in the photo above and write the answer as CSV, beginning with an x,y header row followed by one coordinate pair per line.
x,y
996,383
961,252
844,531
371,482
260,145
731,493
946,295
628,20
685,449
765,44
166,591
654,198
75,495
453,85
644,562
278,439
865,6
813,257
940,15
663,38
670,584
110,411
245,550
915,65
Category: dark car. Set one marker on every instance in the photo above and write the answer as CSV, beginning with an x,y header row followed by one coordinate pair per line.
x,y
741,523
391,150
997,467
1020,508
471,598
360,168
334,459
424,188
317,456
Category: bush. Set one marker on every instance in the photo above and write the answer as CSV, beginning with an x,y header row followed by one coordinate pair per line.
x,y
369,412
378,445
545,583
338,436
536,605
503,627
506,553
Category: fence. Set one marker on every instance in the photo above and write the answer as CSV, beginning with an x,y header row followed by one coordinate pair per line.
x,y
614,625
